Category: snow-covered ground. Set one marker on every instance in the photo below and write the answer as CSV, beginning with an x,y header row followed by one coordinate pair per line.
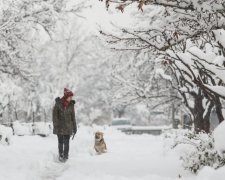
x,y
133,157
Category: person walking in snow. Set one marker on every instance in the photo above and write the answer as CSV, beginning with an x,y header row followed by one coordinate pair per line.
x,y
64,122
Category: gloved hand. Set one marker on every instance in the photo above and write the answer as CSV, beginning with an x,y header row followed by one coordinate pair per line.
x,y
74,130
74,133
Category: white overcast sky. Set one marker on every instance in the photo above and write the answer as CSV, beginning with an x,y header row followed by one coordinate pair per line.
x,y
98,17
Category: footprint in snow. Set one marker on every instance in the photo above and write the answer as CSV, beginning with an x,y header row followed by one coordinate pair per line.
x,y
53,168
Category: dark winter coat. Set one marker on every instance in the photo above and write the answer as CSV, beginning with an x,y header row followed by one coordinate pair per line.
x,y
64,122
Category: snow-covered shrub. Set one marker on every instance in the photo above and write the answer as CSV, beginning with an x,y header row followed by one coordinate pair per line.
x,y
5,135
37,128
42,128
205,153
22,129
198,149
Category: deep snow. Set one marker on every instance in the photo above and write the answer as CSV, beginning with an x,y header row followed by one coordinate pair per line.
x,y
133,157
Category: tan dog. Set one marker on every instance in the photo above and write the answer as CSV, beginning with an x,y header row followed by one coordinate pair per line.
x,y
100,145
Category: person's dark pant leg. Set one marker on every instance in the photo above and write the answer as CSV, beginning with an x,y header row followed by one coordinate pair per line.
x,y
66,146
60,145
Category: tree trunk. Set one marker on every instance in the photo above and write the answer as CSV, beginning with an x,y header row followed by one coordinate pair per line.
x,y
201,124
219,110
175,125
201,119
219,114
16,114
45,115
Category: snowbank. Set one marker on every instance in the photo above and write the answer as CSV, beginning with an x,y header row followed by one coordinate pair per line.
x,y
208,173
219,174
42,128
219,136
196,150
205,173
129,157
5,135
37,128
22,129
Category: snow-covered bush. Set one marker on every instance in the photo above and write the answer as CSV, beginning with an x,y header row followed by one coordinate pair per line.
x,y
198,150
5,135
205,153
208,173
22,129
37,128
42,128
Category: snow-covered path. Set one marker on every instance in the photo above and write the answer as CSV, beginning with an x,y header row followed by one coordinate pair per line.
x,y
134,157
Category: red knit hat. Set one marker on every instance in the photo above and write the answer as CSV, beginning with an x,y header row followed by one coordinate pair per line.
x,y
67,93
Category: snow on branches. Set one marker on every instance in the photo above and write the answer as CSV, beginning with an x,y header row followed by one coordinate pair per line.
x,y
25,27
196,150
187,36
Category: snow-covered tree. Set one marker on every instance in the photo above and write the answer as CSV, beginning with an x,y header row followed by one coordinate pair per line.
x,y
174,26
25,27
137,78
75,59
